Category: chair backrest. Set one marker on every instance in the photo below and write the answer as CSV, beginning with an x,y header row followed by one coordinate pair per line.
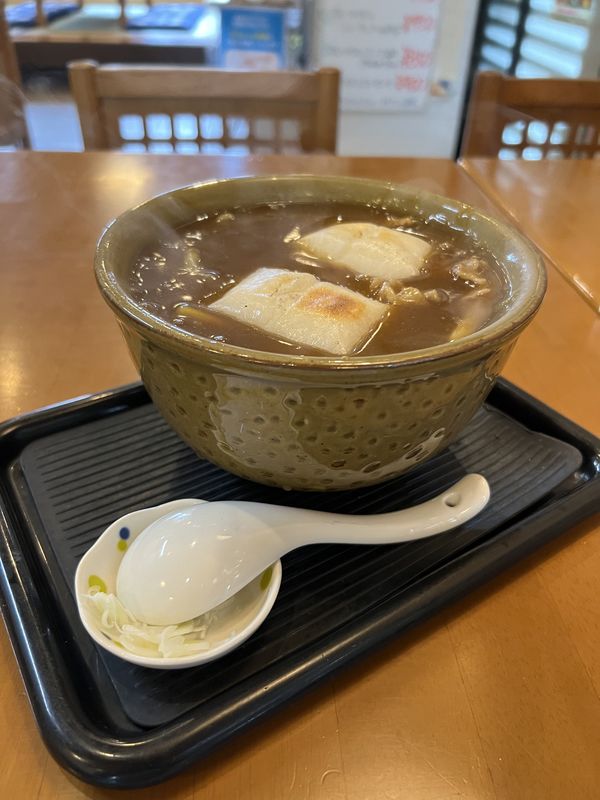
x,y
553,117
9,65
192,109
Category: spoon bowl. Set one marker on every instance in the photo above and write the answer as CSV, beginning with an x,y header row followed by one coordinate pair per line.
x,y
98,568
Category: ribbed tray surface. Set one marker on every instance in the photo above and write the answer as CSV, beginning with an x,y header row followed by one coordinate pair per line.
x,y
83,478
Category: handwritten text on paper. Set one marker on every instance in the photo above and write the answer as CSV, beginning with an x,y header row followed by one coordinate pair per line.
x,y
385,50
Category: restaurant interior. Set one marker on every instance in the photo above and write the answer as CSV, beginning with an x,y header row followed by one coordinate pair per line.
x,y
300,399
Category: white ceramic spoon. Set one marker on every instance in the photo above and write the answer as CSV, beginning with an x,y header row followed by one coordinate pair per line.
x,y
194,558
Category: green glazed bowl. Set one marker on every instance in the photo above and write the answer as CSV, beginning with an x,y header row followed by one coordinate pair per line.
x,y
314,423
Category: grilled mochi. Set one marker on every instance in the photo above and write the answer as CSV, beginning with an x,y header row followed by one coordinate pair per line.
x,y
369,249
300,308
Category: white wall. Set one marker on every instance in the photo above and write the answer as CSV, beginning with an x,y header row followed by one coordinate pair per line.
x,y
433,130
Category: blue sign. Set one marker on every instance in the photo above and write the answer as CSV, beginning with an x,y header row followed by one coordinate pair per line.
x,y
253,38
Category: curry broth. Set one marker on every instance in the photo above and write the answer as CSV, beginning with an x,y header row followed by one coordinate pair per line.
x,y
460,289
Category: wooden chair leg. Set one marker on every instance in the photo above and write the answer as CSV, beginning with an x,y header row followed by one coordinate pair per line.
x,y
327,110
82,78
483,119
40,14
9,64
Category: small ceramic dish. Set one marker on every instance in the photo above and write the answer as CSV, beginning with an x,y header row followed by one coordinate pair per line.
x,y
99,566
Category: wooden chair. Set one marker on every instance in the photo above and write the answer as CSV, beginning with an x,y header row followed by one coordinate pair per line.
x,y
554,117
13,125
9,65
190,109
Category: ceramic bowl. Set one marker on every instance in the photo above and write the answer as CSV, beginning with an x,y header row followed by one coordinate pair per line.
x,y
314,423
99,567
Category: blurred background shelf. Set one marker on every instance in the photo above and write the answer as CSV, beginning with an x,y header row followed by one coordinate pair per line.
x,y
99,31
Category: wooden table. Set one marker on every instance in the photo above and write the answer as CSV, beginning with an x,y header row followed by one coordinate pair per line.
x,y
557,203
497,698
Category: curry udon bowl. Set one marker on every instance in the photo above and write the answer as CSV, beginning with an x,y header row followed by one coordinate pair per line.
x,y
314,422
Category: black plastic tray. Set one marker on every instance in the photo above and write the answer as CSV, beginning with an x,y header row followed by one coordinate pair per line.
x,y
68,471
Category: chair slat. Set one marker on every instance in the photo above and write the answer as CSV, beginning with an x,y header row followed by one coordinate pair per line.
x,y
498,102
107,96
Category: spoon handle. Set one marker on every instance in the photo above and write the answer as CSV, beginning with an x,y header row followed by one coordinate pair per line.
x,y
452,508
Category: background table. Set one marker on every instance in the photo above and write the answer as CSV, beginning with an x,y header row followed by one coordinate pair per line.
x,y
557,203
497,698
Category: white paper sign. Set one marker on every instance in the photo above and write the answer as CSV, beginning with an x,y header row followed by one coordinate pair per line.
x,y
384,48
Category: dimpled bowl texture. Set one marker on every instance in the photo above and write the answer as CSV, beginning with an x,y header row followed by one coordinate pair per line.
x,y
314,423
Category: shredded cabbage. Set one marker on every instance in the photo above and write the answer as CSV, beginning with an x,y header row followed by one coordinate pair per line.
x,y
155,641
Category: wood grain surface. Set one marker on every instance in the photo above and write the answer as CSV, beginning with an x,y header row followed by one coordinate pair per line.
x,y
557,203
498,698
